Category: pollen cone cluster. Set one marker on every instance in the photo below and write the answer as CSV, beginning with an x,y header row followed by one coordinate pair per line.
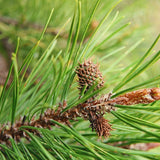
x,y
100,125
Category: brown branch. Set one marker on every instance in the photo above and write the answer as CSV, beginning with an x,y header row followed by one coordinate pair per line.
x,y
5,62
38,27
50,30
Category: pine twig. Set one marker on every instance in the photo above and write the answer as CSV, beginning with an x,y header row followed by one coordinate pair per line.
x,y
92,109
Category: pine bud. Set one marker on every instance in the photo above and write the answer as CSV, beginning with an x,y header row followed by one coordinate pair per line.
x,y
142,96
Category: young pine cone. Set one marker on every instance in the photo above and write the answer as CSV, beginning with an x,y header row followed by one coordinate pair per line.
x,y
88,75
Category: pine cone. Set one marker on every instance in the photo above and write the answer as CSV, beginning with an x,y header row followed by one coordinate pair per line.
x,y
88,75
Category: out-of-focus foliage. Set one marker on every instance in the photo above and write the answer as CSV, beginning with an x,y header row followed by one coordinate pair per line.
x,y
29,18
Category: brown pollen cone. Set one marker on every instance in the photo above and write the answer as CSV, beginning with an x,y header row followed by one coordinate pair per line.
x,y
99,124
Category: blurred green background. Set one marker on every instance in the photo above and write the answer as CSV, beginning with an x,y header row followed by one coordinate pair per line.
x,y
26,19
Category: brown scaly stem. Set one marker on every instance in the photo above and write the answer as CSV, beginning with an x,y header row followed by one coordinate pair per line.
x,y
82,110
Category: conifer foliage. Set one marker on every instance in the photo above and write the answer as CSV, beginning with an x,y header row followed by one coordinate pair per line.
x,y
59,102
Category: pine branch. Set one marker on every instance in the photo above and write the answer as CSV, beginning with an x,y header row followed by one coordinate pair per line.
x,y
92,109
